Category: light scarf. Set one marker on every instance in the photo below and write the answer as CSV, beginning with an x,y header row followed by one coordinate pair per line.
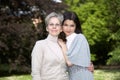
x,y
79,52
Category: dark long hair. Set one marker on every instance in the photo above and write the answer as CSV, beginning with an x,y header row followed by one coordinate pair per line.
x,y
69,15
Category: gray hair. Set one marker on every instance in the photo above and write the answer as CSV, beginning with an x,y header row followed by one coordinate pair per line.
x,y
53,14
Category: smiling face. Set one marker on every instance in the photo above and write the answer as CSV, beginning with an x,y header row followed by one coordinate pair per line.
x,y
69,27
54,26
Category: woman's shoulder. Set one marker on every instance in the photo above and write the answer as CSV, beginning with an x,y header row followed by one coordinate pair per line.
x,y
40,42
80,35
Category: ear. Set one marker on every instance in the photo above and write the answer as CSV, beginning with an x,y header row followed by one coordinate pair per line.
x,y
46,29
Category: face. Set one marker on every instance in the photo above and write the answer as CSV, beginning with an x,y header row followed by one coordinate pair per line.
x,y
54,26
69,27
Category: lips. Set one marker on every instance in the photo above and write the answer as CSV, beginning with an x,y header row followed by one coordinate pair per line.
x,y
68,32
54,31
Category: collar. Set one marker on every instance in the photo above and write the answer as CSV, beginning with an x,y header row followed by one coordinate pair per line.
x,y
52,38
71,36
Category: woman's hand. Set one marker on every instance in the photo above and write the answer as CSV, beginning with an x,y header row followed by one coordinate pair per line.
x,y
91,67
62,43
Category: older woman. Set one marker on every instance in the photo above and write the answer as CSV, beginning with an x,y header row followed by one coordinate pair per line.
x,y
47,59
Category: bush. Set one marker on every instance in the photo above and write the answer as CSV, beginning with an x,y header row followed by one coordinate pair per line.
x,y
115,59
17,38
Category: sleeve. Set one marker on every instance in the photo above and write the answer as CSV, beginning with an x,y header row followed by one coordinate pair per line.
x,y
85,52
80,52
37,55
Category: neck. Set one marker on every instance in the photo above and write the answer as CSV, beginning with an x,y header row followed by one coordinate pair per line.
x,y
71,34
52,38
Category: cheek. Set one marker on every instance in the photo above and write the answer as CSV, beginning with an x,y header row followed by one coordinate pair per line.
x,y
73,29
64,29
48,27
60,29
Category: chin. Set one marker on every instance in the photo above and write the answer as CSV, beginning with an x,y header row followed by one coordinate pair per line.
x,y
55,35
67,34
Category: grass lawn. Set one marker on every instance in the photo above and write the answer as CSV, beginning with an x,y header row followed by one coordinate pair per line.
x,y
107,74
17,77
98,75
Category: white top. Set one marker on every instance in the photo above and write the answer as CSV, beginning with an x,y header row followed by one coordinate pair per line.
x,y
70,39
47,60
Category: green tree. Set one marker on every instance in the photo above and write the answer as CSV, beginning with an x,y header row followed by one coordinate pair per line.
x,y
114,26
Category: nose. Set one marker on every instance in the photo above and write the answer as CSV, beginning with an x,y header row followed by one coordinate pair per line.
x,y
54,26
68,28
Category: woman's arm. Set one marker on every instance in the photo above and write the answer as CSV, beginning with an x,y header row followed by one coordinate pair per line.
x,y
36,62
64,49
87,50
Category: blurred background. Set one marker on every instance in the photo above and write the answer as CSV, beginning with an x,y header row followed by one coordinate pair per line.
x,y
22,24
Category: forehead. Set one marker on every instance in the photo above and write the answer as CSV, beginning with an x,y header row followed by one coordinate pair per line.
x,y
54,20
69,22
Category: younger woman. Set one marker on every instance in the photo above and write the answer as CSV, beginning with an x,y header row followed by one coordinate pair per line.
x,y
78,53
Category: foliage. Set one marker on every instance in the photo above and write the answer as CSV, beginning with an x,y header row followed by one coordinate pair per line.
x,y
115,59
114,26
27,7
16,43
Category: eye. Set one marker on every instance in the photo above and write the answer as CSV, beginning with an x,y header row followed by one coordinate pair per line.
x,y
51,24
72,25
65,25
57,24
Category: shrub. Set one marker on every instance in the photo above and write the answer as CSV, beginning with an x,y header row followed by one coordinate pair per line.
x,y
115,59
17,39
